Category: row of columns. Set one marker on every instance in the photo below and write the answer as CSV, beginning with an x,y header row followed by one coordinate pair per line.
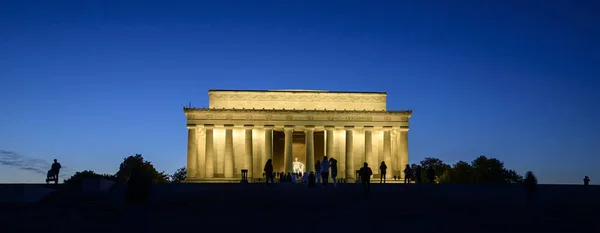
x,y
208,158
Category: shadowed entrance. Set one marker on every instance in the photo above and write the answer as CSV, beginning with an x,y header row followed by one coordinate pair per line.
x,y
298,148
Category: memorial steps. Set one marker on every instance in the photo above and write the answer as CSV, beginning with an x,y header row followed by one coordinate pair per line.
x,y
419,208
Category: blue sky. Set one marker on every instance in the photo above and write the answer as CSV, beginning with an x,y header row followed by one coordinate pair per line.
x,y
91,82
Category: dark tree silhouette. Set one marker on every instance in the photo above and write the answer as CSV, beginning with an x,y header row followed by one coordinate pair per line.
x,y
78,177
512,177
137,162
438,166
180,175
488,170
482,170
461,173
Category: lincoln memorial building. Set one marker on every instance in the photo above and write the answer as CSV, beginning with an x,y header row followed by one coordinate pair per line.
x,y
242,129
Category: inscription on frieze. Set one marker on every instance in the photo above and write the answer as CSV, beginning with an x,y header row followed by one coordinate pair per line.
x,y
300,97
228,117
208,116
387,118
248,117
289,118
310,118
269,117
362,118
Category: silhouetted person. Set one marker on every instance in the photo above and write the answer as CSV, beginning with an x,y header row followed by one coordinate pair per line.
x,y
333,166
431,175
407,174
55,169
383,169
325,171
418,174
139,188
288,178
318,171
269,171
530,184
305,179
365,177
586,181
312,180
139,185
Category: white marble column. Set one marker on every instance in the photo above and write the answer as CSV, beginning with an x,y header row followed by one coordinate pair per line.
x,y
210,152
387,149
288,156
403,150
310,147
228,151
329,141
248,147
201,132
268,142
368,143
393,166
349,152
192,153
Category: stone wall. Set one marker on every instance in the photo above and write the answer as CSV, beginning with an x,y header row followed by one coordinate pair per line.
x,y
311,100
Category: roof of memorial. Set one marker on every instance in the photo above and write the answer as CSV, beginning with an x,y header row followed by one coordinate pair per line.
x,y
191,109
303,91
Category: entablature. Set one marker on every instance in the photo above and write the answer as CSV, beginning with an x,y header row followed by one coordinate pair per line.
x,y
320,119
296,115
300,127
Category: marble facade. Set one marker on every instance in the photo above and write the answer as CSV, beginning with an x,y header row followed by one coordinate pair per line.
x,y
243,129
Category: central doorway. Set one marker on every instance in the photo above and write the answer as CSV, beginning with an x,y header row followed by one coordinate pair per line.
x,y
298,148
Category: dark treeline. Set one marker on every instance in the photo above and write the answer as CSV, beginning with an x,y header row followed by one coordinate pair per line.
x,y
130,164
482,170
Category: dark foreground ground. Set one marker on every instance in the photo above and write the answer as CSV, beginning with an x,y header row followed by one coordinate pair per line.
x,y
292,208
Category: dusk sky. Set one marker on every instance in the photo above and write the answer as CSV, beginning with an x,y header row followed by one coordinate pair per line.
x,y
91,82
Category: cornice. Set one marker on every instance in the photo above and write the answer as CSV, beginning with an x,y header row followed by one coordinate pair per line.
x,y
296,91
248,115
293,111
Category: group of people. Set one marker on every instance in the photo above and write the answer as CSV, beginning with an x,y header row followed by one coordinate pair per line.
x,y
408,174
323,170
328,167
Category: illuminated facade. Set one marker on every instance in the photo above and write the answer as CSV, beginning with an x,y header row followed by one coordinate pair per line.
x,y
243,129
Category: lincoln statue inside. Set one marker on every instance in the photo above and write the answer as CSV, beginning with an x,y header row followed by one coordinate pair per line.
x,y
242,129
